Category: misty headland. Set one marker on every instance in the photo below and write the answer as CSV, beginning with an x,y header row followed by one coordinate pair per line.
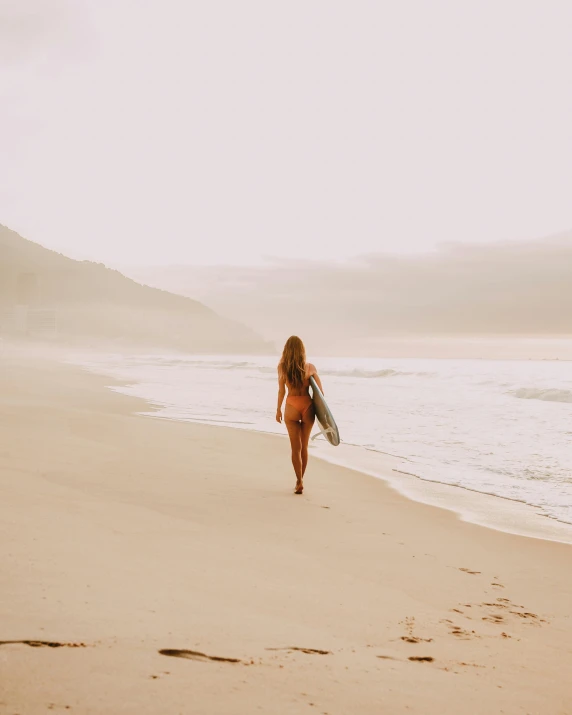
x,y
45,296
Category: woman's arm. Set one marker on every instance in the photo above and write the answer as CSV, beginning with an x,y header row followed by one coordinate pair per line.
x,y
281,393
314,374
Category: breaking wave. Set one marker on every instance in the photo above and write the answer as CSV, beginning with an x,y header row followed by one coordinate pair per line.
x,y
371,373
548,395
267,370
230,364
356,372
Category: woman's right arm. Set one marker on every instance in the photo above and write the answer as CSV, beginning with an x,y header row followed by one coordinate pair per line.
x,y
281,393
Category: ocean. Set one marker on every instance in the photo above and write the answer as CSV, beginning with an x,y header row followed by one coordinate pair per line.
x,y
503,428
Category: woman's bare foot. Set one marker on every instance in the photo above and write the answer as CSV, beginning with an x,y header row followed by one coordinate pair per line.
x,y
299,488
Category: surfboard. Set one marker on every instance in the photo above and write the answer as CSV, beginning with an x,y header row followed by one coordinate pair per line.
x,y
325,418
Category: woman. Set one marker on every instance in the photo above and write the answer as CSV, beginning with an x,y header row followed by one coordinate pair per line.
x,y
295,373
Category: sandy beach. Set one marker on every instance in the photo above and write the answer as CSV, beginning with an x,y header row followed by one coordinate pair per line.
x,y
150,566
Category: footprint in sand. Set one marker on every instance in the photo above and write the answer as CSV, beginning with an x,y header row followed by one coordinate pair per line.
x,y
498,612
421,658
531,617
473,573
457,631
493,619
309,651
463,634
413,658
496,617
414,639
45,644
409,624
196,655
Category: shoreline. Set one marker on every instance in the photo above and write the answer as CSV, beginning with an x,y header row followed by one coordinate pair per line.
x,y
492,511
523,508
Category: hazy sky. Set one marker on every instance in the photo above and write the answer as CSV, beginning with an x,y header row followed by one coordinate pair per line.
x,y
178,131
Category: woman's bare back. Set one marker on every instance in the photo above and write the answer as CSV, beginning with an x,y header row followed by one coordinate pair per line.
x,y
304,390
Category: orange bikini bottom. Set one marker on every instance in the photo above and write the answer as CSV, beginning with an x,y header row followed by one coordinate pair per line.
x,y
302,403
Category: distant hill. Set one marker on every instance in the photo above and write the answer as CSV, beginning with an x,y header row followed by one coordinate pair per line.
x,y
94,302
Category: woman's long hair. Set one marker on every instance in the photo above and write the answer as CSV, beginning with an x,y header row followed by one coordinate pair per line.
x,y
292,365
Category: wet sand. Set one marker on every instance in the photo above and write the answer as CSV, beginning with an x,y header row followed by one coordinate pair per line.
x,y
149,566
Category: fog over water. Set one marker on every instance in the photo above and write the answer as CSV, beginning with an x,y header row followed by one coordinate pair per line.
x,y
506,289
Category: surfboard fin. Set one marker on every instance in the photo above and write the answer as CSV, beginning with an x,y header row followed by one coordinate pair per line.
x,y
323,432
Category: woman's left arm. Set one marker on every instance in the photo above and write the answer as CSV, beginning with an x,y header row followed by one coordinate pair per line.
x,y
314,374
281,393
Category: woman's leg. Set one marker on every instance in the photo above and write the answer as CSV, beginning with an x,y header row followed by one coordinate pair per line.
x,y
292,420
307,423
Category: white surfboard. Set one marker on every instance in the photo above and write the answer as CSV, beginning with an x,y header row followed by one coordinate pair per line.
x,y
325,418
